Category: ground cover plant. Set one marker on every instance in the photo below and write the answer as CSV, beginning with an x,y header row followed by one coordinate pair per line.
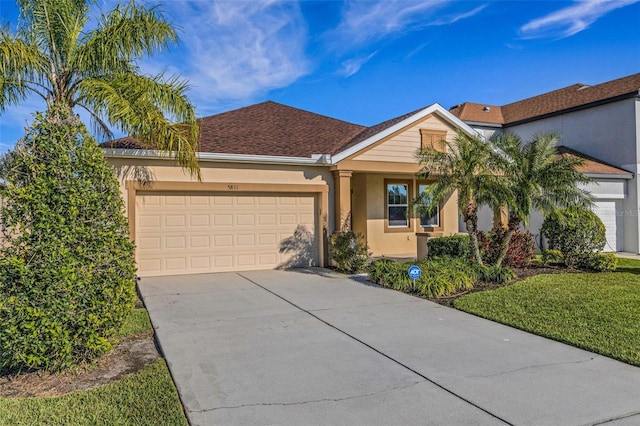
x,y
147,397
595,311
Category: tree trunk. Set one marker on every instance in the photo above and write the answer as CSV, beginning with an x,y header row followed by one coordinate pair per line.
x,y
514,224
471,222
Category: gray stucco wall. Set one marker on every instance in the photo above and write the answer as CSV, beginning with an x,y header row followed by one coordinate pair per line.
x,y
607,132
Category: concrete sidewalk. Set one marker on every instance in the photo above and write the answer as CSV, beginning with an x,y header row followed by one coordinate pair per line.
x,y
314,347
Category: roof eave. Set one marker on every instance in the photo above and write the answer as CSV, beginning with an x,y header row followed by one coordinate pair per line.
x,y
625,176
483,124
314,160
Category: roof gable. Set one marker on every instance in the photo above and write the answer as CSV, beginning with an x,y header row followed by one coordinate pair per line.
x,y
377,133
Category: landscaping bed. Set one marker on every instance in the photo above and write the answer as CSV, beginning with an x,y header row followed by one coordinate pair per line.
x,y
130,385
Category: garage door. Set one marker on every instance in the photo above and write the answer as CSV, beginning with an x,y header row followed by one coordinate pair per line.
x,y
180,233
606,211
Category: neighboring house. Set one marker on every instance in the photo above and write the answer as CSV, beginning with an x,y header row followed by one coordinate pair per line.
x,y
275,181
594,122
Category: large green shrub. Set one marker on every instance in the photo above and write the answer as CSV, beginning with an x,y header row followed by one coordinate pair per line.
x,y
453,246
575,232
349,251
67,271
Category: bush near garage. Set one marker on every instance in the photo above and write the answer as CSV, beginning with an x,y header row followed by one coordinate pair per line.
x,y
349,251
576,233
67,270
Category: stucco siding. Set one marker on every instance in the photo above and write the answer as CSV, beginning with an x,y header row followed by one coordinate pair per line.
x,y
238,173
403,146
403,242
607,132
359,204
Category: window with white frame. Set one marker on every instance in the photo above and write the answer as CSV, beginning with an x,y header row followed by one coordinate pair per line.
x,y
427,220
398,205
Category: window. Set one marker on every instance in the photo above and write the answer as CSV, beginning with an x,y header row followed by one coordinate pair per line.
x,y
398,205
429,220
433,139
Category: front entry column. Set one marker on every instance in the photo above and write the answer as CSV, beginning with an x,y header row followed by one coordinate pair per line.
x,y
342,198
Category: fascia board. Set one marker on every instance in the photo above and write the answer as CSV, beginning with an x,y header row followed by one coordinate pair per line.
x,y
315,160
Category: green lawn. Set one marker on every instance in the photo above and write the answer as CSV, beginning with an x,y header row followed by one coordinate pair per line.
x,y
598,312
148,397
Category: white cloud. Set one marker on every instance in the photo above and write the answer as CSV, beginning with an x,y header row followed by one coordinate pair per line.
x,y
353,65
365,22
572,19
235,50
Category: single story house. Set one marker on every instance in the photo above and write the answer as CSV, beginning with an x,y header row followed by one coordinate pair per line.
x,y
276,181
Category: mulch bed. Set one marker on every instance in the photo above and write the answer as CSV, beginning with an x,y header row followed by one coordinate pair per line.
x,y
129,356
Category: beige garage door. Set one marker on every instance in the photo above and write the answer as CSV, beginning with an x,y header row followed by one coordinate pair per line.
x,y
179,233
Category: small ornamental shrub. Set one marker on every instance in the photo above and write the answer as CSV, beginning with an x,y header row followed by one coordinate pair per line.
x,y
497,274
552,257
440,277
67,271
575,232
456,246
598,262
519,254
349,251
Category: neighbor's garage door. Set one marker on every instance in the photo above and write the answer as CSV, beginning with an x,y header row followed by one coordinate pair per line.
x,y
607,212
192,233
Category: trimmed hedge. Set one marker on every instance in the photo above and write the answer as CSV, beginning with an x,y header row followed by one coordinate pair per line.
x,y
598,262
456,246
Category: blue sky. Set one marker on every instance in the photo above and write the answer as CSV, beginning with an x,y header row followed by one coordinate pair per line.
x,y
368,61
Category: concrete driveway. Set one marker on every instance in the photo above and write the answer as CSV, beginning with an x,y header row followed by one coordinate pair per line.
x,y
318,348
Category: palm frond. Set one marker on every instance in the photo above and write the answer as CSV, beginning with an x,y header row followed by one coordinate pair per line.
x,y
139,106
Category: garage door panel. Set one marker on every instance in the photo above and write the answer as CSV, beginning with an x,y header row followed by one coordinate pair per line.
x,y
178,234
607,211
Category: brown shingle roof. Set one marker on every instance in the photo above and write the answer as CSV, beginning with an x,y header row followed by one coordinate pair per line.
x,y
557,101
267,128
482,113
591,165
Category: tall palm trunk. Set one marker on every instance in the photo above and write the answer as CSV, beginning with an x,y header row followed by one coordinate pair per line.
x,y
471,222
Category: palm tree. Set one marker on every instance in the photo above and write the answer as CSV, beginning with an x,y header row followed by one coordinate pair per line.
x,y
468,166
52,54
539,179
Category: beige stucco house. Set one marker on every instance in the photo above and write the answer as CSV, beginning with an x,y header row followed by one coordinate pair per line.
x,y
276,181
